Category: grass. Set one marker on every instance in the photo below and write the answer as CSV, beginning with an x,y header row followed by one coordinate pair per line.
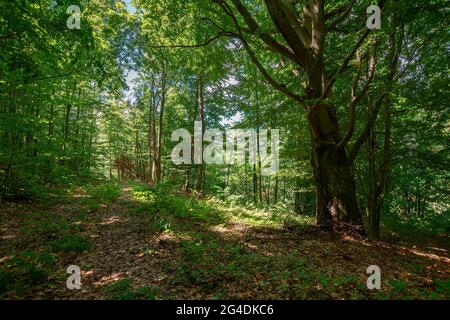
x,y
27,268
123,290
102,194
413,226
70,243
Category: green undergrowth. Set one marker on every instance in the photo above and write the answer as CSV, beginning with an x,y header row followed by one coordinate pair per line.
x,y
418,228
165,201
102,194
213,263
26,270
124,290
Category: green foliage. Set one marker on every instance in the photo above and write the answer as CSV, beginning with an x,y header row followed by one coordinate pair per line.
x,y
161,225
100,194
431,224
398,285
443,287
46,225
27,268
6,281
208,264
51,79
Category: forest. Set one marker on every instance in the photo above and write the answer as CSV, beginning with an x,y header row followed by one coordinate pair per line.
x,y
224,149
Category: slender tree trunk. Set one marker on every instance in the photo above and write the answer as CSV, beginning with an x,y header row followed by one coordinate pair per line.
x,y
158,172
258,156
201,117
227,178
187,173
297,192
335,186
152,137
255,184
245,180
66,126
373,209
255,170
8,180
297,197
374,214
35,140
379,178
275,192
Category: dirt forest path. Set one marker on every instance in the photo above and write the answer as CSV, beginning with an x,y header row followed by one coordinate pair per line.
x,y
120,239
118,242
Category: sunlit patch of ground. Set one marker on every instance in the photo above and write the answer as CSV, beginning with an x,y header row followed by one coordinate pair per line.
x,y
111,220
107,280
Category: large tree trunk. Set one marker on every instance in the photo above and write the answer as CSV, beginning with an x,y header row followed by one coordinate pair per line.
x,y
374,214
335,186
335,189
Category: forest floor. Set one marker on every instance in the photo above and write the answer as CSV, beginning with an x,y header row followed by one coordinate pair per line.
x,y
137,242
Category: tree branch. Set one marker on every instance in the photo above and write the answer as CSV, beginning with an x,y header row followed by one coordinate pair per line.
x,y
12,35
365,133
254,28
333,12
344,12
280,87
357,97
347,60
282,23
291,16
